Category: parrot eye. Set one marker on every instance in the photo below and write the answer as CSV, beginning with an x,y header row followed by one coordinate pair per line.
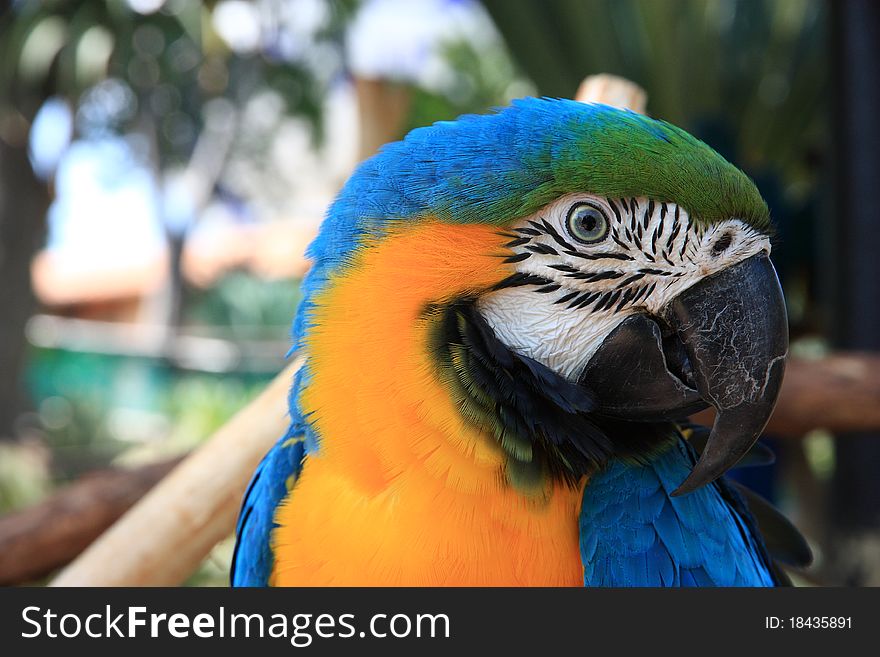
x,y
587,223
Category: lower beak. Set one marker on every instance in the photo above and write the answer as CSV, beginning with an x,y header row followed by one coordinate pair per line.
x,y
721,342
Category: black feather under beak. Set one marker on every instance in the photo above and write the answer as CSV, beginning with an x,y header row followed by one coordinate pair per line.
x,y
722,342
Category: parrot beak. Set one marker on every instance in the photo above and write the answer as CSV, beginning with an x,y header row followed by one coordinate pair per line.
x,y
722,342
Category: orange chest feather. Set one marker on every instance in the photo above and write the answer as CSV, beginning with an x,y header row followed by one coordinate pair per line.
x,y
403,490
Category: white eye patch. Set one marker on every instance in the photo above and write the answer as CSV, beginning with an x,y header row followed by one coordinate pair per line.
x,y
587,263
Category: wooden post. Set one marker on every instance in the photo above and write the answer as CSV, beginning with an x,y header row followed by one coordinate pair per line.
x,y
612,90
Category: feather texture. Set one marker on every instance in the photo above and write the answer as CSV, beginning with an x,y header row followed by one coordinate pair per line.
x,y
252,558
542,421
633,533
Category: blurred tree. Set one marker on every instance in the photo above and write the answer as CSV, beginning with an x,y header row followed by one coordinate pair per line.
x,y
23,203
418,62
175,75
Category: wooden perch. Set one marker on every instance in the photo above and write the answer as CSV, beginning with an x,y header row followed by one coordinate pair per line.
x,y
38,540
840,392
162,539
614,91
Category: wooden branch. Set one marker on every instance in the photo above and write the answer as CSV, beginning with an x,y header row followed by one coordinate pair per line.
x,y
612,90
163,538
840,393
383,106
42,538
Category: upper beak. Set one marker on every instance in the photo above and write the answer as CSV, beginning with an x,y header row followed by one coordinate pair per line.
x,y
722,341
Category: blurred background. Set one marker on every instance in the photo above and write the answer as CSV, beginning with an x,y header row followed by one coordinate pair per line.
x,y
163,164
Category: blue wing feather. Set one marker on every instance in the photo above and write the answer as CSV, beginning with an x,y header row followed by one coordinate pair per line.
x,y
633,533
252,559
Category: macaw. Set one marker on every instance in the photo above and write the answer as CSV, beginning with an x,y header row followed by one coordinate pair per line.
x,y
506,318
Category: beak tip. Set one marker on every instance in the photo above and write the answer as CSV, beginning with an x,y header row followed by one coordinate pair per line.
x,y
707,469
733,342
689,485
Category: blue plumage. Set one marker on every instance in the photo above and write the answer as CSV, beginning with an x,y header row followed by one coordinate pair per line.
x,y
252,560
634,534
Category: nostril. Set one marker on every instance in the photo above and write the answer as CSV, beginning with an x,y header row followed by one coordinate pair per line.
x,y
722,243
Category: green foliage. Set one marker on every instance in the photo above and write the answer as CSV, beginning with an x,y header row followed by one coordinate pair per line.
x,y
95,409
78,397
23,476
193,407
247,305
162,68
750,75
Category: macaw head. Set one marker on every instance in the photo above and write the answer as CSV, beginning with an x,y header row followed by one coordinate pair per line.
x,y
625,279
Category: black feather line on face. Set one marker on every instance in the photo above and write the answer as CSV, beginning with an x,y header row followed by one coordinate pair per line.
x,y
599,256
669,240
565,268
567,297
543,422
654,239
544,249
615,210
519,257
631,279
592,277
638,242
582,300
554,234
519,279
608,300
684,245
619,242
625,299
587,299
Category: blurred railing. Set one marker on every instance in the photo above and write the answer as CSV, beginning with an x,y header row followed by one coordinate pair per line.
x,y
211,350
